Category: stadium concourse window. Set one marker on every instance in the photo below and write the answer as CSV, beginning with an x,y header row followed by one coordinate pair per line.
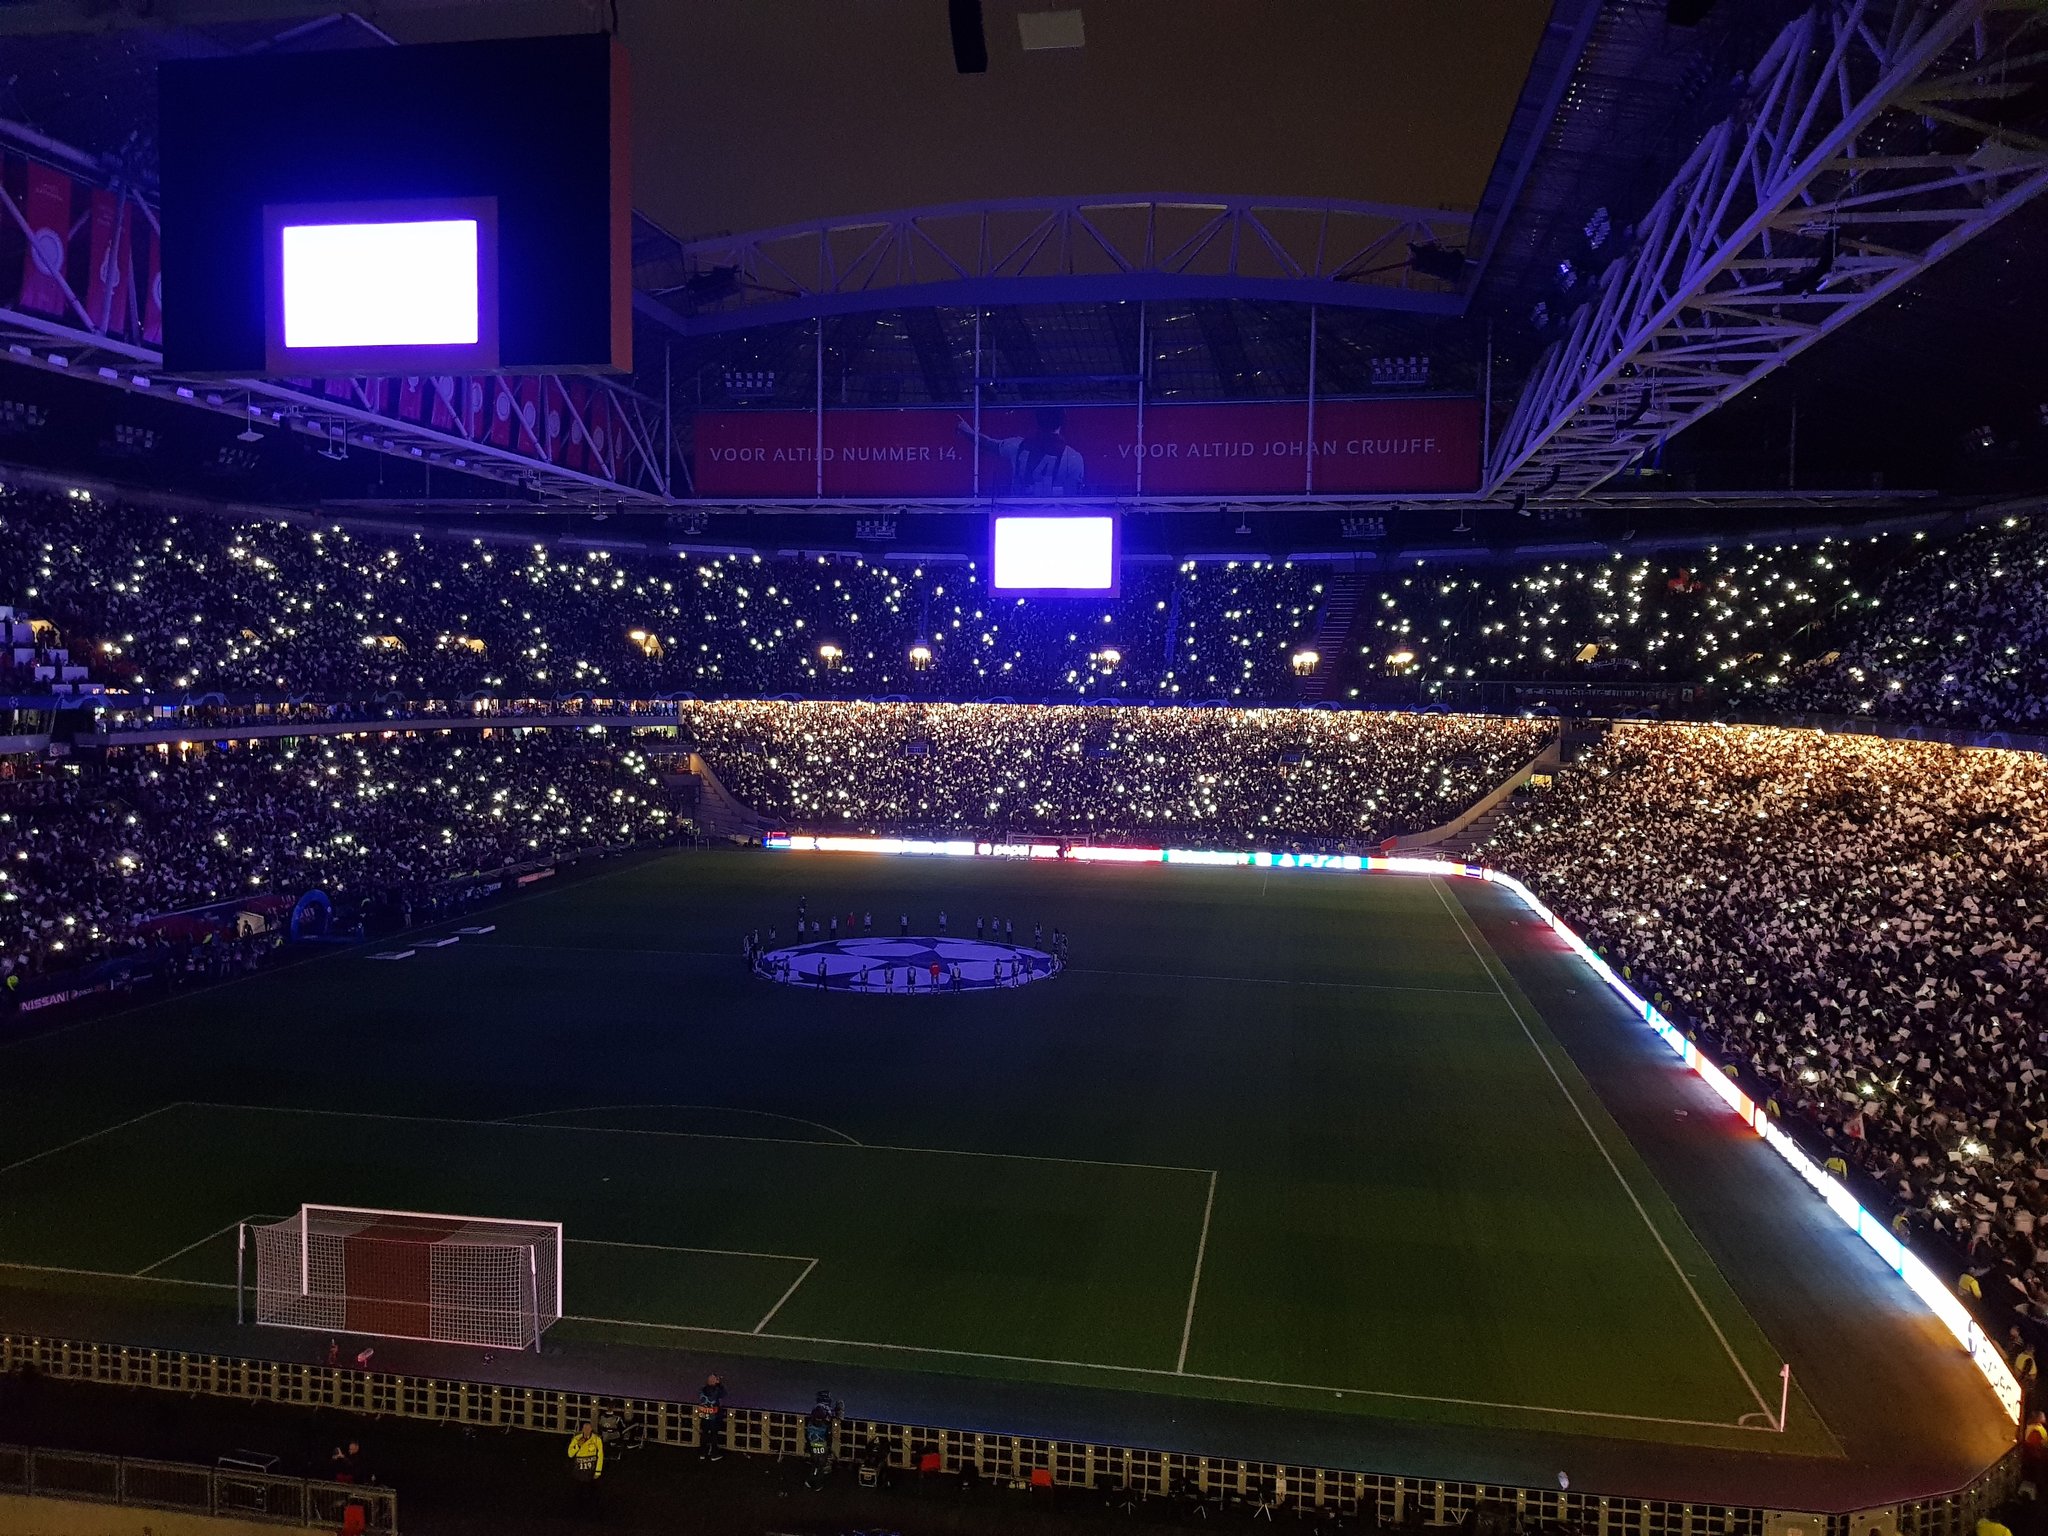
x,y
393,829
1859,923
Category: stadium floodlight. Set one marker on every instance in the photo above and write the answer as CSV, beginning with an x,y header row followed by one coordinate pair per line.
x,y
407,1275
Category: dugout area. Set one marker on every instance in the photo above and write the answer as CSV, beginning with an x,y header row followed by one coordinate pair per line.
x,y
1366,1147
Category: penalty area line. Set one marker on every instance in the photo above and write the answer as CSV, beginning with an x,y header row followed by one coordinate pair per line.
x,y
79,1141
538,1116
1187,1327
730,1253
610,1130
799,1280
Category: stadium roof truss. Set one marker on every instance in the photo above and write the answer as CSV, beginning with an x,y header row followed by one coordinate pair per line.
x,y
630,465
1057,250
1875,138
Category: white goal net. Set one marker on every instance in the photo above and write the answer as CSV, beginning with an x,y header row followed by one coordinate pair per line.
x,y
409,1275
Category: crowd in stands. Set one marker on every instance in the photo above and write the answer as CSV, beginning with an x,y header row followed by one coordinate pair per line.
x,y
1913,627
1857,921
1943,628
182,603
1860,923
1958,635
1209,777
382,824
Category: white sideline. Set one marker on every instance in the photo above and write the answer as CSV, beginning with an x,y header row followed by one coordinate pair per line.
x,y
231,1226
1606,1156
1167,1375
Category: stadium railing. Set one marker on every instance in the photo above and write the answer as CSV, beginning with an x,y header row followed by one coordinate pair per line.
x,y
1140,1472
223,1492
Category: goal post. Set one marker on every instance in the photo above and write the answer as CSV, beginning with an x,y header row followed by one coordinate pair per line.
x,y
483,1280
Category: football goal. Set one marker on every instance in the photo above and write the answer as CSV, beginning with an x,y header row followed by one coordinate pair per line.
x,y
406,1275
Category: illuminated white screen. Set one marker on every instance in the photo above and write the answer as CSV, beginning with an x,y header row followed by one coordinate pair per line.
x,y
409,284
1073,554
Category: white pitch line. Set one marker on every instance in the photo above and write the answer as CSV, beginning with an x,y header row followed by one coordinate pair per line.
x,y
799,1280
114,1274
160,1263
723,1109
737,1253
1187,1327
1278,981
1608,1157
605,1130
338,952
79,1141
1154,1371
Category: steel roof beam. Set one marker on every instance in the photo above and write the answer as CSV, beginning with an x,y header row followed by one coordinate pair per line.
x,y
1152,246
1760,245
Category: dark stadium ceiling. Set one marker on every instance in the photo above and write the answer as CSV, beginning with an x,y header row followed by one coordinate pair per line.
x,y
1532,116
750,114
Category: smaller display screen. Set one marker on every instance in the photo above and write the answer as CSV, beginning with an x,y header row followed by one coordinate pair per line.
x,y
381,285
1052,555
396,287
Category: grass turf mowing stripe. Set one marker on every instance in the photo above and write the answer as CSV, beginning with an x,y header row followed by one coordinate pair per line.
x,y
1458,918
1400,1203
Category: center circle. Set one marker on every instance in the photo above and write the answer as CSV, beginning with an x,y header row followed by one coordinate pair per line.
x,y
913,965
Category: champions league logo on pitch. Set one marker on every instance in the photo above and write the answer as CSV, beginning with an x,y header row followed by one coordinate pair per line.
x,y
912,966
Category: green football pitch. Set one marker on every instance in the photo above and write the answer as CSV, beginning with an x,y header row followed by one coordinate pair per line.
x,y
1282,1137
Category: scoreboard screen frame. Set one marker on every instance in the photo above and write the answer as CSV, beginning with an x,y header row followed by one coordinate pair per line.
x,y
480,355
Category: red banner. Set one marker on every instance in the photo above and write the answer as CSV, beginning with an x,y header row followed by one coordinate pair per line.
x,y
529,416
473,408
579,415
47,207
411,397
153,301
555,420
442,415
111,244
499,394
1259,449
604,455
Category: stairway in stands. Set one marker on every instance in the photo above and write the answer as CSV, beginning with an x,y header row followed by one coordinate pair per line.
x,y
718,814
1575,737
1332,638
1459,845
